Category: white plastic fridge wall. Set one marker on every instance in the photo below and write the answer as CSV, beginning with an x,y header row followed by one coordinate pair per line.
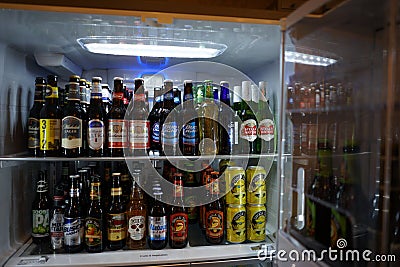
x,y
17,75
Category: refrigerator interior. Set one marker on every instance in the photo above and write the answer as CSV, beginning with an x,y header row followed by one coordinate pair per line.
x,y
348,139
30,42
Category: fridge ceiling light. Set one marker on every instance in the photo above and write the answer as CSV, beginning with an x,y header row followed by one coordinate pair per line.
x,y
302,58
151,47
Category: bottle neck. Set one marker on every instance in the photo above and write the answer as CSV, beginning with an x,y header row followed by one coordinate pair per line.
x,y
95,191
168,101
39,93
178,189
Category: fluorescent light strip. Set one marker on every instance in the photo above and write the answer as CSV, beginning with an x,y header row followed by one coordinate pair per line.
x,y
307,59
152,50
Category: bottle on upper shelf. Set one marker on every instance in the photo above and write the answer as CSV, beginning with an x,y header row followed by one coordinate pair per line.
x,y
34,118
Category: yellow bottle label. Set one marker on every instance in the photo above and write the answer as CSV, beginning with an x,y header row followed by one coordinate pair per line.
x,y
51,92
50,134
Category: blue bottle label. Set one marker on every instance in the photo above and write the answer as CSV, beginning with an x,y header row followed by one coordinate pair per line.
x,y
190,136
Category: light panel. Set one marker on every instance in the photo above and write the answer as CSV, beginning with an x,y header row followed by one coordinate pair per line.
x,y
308,59
151,47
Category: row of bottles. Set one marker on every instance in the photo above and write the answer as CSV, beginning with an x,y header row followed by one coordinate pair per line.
x,y
203,124
95,214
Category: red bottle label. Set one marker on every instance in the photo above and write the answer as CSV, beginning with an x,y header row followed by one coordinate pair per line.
x,y
117,133
214,223
178,227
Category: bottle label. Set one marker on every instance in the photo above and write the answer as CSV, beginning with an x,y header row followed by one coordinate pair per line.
x,y
33,133
40,223
266,130
116,227
119,95
51,92
57,230
248,130
95,191
155,135
73,231
169,134
214,223
42,186
179,227
116,191
96,131
139,134
117,133
71,132
190,134
50,134
157,228
93,232
192,209
136,227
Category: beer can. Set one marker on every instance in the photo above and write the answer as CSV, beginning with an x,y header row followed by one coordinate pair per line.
x,y
256,188
235,182
236,223
256,219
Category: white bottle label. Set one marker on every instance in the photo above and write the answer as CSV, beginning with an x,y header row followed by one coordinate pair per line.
x,y
248,130
266,130
139,134
158,228
71,133
136,227
73,231
95,134
117,133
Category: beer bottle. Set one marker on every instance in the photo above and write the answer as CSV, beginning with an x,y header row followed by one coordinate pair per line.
x,y
96,122
105,97
73,219
95,221
74,118
169,128
57,223
157,223
82,93
237,142
50,120
126,181
208,122
248,129
227,126
154,118
136,216
41,212
84,187
215,216
116,217
139,124
266,127
178,218
117,125
177,98
190,180
189,137
34,117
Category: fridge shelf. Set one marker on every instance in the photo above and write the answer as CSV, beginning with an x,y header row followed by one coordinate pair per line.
x,y
186,256
25,157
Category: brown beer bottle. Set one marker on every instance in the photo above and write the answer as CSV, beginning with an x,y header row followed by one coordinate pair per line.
x,y
50,120
74,117
136,217
116,220
94,222
214,216
34,116
117,125
178,218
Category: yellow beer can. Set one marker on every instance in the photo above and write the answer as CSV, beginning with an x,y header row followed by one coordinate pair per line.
x,y
235,182
256,220
236,223
256,188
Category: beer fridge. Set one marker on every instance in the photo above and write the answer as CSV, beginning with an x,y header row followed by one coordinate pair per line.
x,y
327,68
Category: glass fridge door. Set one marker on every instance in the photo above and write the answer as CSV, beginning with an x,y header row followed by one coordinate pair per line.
x,y
339,154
